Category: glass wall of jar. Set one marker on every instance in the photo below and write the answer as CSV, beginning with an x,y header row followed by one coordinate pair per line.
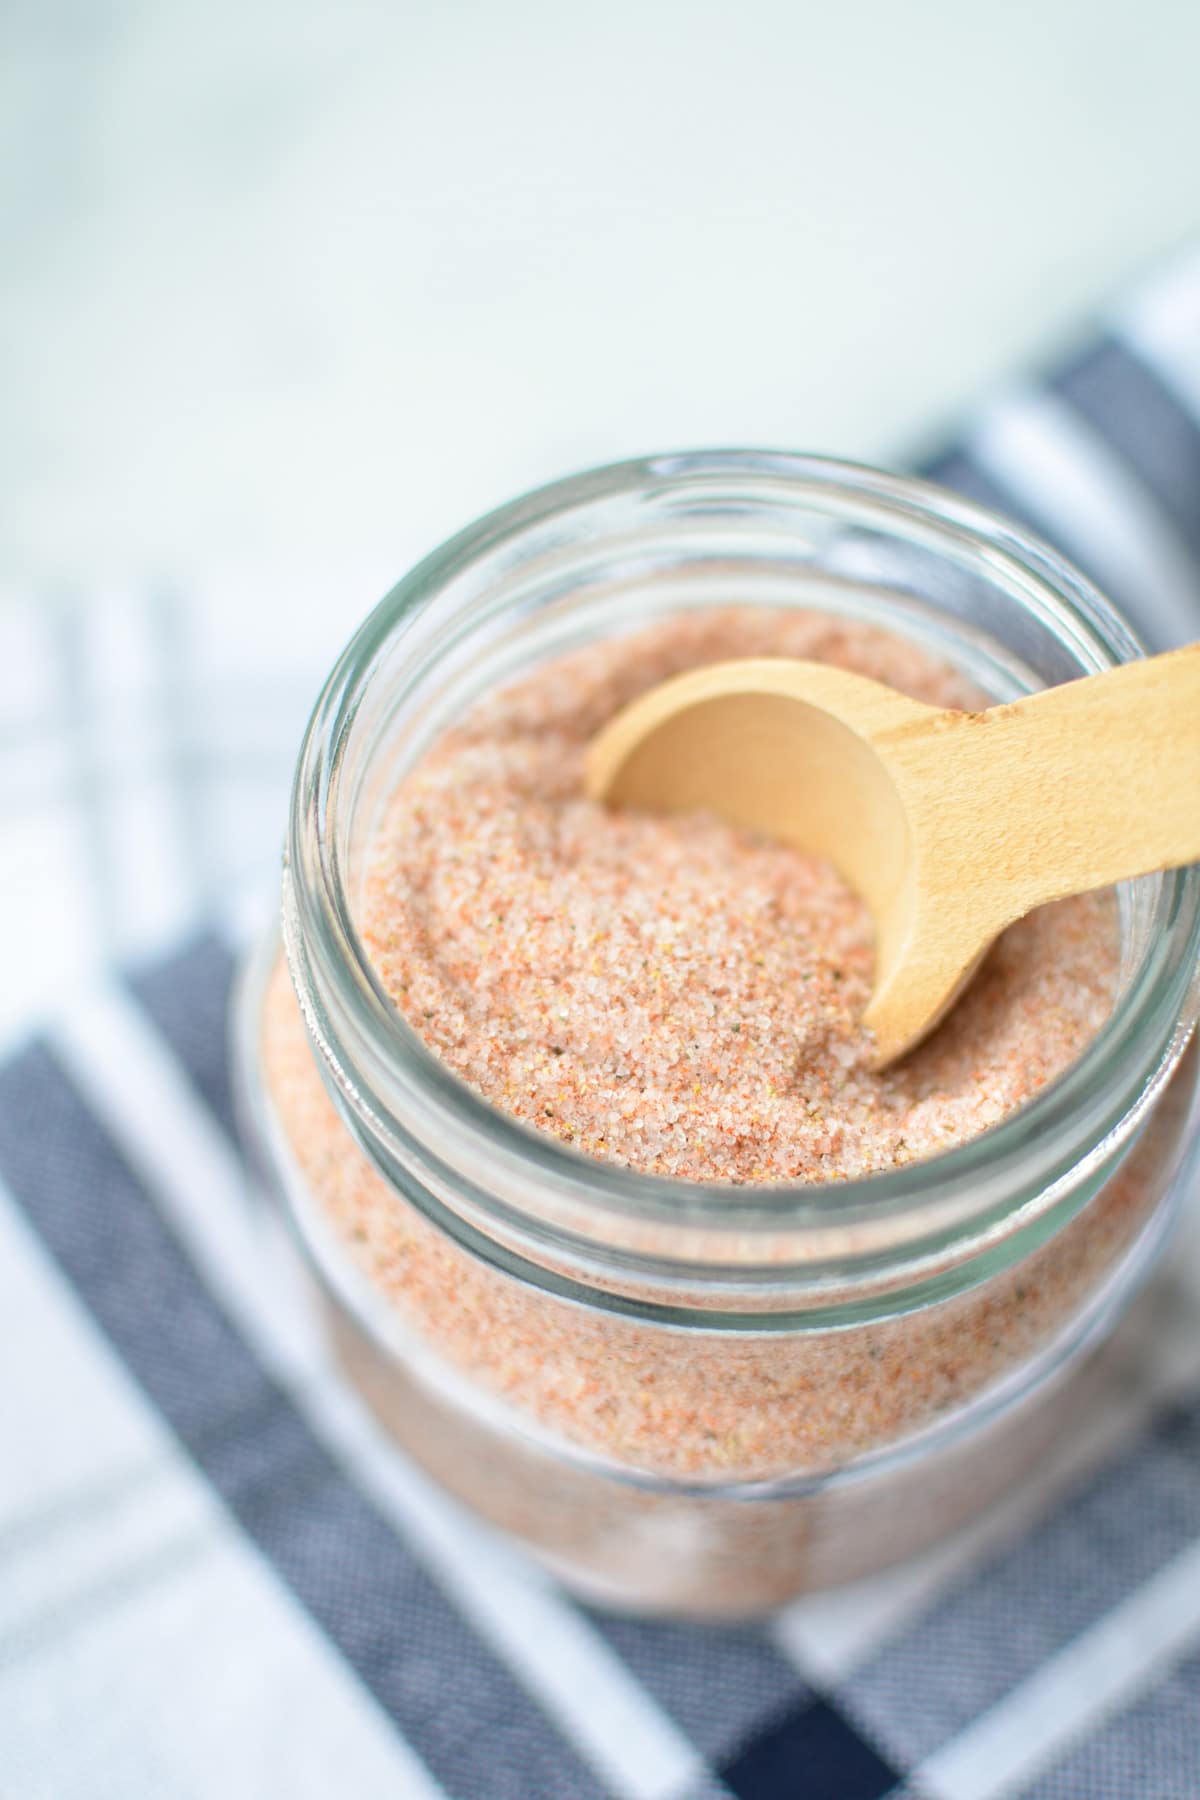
x,y
688,1398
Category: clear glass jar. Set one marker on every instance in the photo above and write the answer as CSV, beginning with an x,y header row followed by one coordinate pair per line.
x,y
576,1351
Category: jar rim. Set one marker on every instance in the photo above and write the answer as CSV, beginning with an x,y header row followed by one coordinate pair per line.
x,y
970,1188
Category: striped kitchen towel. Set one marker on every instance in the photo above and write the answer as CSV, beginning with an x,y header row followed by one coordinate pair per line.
x,y
215,1580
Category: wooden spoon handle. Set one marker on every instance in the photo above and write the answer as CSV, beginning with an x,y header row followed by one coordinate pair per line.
x,y
1081,785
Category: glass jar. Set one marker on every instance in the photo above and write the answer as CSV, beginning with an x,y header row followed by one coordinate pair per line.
x,y
684,1398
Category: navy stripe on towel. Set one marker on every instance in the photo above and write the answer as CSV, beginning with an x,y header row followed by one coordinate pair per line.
x,y
1126,403
457,1705
957,469
720,1685
975,1644
811,1753
187,997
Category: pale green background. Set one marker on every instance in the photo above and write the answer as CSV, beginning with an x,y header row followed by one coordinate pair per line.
x,y
305,286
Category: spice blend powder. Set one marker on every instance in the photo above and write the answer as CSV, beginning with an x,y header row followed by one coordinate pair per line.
x,y
673,994
680,997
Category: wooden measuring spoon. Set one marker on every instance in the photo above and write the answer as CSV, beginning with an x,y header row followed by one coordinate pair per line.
x,y
950,825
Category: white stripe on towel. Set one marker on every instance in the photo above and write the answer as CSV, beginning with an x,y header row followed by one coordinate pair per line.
x,y
1103,1669
163,1129
1156,1357
1161,323
141,1634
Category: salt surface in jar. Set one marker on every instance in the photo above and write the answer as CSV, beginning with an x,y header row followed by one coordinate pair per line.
x,y
573,1111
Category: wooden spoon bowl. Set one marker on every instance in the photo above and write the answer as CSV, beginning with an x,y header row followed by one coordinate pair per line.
x,y
950,825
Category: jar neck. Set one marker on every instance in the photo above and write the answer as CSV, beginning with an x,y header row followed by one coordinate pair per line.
x,y
576,562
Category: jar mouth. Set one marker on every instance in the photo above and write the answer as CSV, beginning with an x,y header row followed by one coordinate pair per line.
x,y
384,1070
